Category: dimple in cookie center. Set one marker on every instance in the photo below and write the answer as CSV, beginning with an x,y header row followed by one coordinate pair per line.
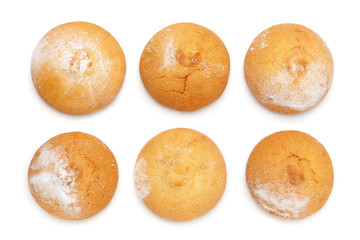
x,y
297,69
178,177
295,176
187,60
297,66
80,62
294,171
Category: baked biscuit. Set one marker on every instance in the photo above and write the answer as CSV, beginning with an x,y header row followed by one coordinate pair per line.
x,y
73,176
290,174
288,68
185,66
78,67
180,174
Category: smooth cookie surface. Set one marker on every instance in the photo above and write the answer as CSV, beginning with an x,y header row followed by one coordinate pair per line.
x,y
180,174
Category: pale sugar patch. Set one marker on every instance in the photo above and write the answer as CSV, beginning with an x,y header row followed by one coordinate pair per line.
x,y
283,202
55,180
79,58
142,187
262,40
169,58
282,90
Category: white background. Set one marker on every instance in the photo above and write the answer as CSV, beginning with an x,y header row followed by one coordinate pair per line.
x,y
236,121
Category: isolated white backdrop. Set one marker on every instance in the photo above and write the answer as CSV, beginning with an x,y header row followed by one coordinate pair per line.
x,y
236,121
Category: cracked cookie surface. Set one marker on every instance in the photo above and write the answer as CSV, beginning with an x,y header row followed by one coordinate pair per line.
x,y
185,66
73,176
290,174
180,174
288,68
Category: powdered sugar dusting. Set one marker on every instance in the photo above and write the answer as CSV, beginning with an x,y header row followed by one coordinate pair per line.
x,y
55,179
279,200
169,58
74,55
142,187
75,60
297,92
262,40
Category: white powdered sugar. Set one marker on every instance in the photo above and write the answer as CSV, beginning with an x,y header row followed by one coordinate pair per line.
x,y
73,62
262,40
296,92
54,180
74,55
283,202
142,187
169,58
263,45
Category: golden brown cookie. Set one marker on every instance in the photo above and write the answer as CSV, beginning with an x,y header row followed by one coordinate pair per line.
x,y
185,66
180,174
290,174
289,68
73,176
78,67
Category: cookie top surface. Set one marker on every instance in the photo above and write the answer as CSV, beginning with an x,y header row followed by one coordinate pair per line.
x,y
185,66
180,174
73,176
290,174
78,67
289,68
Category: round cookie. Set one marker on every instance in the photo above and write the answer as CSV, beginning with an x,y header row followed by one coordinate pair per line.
x,y
185,66
180,174
290,174
78,67
73,176
288,68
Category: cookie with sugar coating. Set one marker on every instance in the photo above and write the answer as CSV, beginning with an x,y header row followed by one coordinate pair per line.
x,y
180,174
290,174
78,68
185,66
73,176
288,68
